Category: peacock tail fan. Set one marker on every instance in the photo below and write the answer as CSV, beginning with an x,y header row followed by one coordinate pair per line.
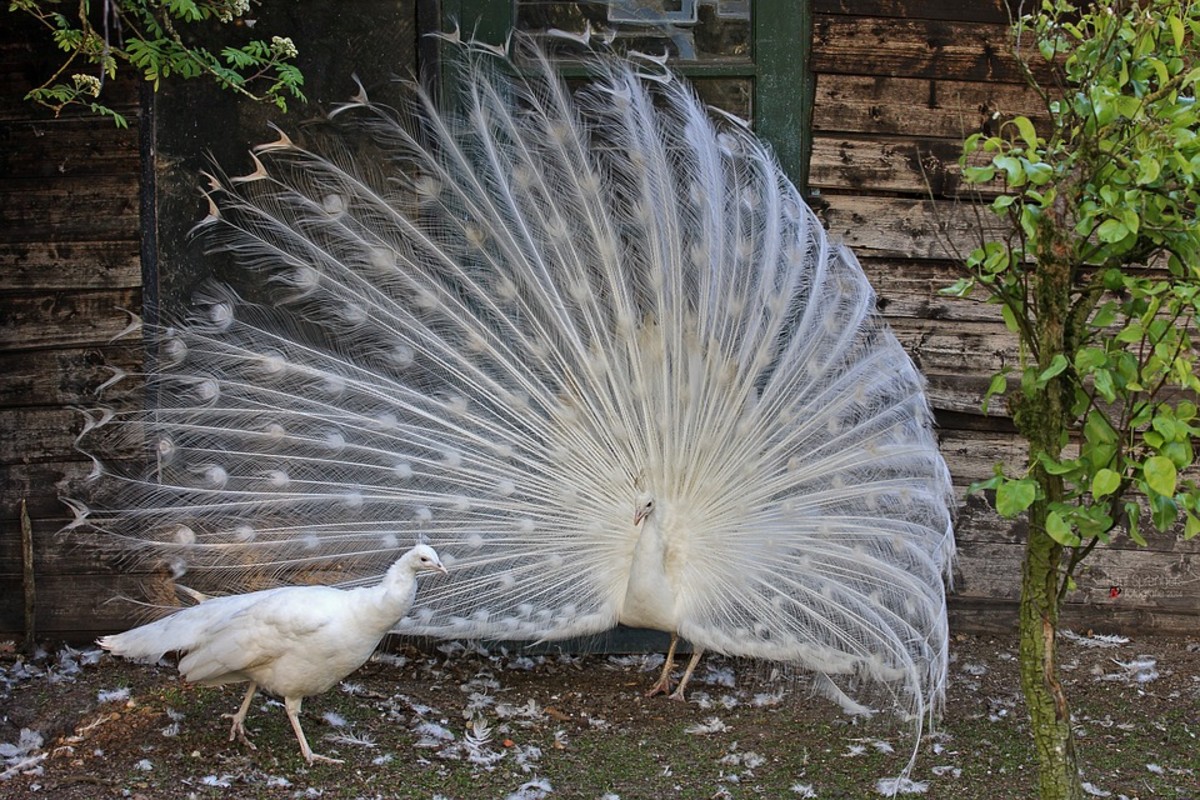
x,y
500,332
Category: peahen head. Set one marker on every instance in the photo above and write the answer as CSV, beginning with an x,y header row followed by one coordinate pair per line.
x,y
423,558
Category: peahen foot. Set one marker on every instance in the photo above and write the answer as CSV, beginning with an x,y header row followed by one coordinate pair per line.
x,y
238,729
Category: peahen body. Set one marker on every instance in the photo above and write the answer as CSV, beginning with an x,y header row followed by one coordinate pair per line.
x,y
595,346
292,641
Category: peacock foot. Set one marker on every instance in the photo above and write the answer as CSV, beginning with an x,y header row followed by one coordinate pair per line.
x,y
661,686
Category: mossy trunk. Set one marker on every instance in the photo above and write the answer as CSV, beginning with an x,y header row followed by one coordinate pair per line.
x,y
1049,713
1042,416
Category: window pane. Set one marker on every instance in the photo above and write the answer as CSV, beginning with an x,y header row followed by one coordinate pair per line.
x,y
733,95
705,31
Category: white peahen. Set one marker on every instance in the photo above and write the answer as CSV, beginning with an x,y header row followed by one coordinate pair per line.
x,y
292,641
595,346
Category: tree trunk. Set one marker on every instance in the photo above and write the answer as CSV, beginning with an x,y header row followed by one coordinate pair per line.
x,y
1049,714
1042,415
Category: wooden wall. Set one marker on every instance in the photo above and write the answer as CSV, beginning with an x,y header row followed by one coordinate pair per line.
x,y
69,259
899,83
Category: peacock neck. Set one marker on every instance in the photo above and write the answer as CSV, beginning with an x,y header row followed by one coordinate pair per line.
x,y
650,596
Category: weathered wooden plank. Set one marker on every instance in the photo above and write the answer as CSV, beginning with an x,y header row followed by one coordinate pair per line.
x,y
72,265
994,11
47,434
28,435
1000,617
1161,583
76,607
960,348
65,319
910,289
971,455
897,227
41,484
917,166
960,394
68,377
914,48
933,107
977,521
69,209
68,148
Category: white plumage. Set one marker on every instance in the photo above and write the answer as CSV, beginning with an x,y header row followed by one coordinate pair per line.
x,y
292,641
512,329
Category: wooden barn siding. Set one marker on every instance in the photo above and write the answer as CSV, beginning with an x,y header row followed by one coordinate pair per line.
x,y
69,260
899,84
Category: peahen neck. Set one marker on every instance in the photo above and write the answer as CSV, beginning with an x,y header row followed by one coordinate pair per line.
x,y
383,604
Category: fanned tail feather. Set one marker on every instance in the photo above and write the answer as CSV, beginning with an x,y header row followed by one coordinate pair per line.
x,y
498,332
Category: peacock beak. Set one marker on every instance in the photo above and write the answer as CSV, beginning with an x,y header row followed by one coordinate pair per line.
x,y
441,568
640,515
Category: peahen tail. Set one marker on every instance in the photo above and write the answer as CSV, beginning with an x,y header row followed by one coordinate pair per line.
x,y
504,327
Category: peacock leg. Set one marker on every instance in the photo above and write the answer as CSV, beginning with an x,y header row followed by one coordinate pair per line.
x,y
238,729
663,685
687,674
292,706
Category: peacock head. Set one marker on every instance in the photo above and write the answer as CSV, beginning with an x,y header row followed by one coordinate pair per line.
x,y
642,507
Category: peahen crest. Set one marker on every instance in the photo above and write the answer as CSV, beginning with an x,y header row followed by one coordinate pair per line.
x,y
512,331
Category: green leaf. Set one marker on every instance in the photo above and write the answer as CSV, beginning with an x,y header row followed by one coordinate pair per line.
x,y
998,385
1039,174
1177,32
1105,316
1105,482
1104,385
980,486
1133,513
1163,511
1013,497
960,288
1026,129
978,174
1013,170
1165,427
1060,530
1097,430
1010,318
1161,475
1149,169
1112,231
1057,365
1055,467
1089,358
1191,526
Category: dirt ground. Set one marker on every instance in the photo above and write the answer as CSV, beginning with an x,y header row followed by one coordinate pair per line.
x,y
458,723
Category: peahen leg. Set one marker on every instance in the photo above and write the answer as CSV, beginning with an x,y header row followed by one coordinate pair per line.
x,y
687,674
292,706
238,729
663,685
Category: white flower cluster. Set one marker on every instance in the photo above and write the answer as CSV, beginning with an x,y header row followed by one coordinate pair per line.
x,y
284,47
87,84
